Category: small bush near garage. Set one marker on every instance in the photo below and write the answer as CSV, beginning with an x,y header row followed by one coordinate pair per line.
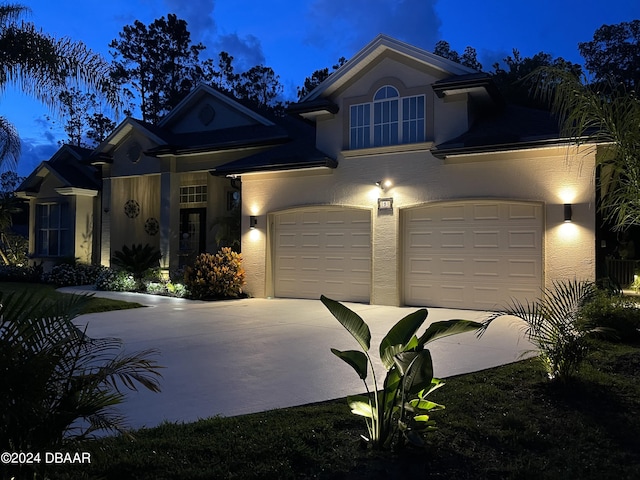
x,y
617,312
216,276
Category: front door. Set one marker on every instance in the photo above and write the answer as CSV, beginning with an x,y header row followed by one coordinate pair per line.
x,y
192,234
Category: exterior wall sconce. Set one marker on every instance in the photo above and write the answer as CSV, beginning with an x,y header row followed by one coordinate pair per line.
x,y
568,213
384,184
253,222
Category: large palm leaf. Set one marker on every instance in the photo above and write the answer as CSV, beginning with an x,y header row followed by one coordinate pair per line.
x,y
41,65
56,381
607,117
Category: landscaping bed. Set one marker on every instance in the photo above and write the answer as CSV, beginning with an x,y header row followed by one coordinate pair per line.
x,y
509,422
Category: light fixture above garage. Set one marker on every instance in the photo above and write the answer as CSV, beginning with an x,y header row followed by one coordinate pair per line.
x,y
384,184
253,222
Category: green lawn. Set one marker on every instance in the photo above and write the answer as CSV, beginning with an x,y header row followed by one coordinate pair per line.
x,y
95,305
504,423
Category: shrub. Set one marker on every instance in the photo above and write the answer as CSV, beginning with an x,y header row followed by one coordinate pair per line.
x,y
169,289
216,276
14,273
116,281
618,313
138,261
65,274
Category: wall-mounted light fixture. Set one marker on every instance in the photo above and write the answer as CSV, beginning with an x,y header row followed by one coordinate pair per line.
x,y
384,184
253,222
568,213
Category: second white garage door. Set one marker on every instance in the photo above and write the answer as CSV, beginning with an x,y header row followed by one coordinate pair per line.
x,y
472,254
322,251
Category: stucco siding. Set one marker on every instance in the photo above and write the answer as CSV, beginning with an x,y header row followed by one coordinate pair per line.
x,y
548,176
134,201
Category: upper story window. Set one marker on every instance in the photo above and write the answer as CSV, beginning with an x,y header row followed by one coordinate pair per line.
x,y
388,120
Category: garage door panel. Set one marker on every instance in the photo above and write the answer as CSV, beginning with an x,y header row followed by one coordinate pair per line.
x,y
472,254
323,250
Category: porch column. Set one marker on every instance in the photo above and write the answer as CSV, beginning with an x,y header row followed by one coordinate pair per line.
x,y
169,220
105,229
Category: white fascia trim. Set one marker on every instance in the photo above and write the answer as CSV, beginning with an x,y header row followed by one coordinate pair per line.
x,y
81,192
400,148
375,48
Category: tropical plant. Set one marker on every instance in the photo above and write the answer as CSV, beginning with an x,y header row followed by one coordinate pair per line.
x,y
551,323
137,260
618,313
58,384
40,65
399,411
216,276
604,116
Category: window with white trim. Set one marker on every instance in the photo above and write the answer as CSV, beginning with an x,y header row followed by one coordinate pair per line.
x,y
193,194
53,232
395,120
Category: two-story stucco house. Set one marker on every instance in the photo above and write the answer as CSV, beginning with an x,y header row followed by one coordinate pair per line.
x,y
404,180
441,195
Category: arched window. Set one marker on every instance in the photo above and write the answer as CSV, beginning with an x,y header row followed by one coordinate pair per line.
x,y
385,117
395,120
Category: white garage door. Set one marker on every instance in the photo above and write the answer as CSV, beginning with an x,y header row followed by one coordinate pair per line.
x,y
323,251
472,254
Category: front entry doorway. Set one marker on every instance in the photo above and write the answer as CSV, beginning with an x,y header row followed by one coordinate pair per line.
x,y
192,234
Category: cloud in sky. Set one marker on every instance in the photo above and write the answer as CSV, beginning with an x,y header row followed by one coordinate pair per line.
x,y
199,15
349,25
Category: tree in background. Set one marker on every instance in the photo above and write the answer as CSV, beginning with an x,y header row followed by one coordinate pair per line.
x,y
157,64
84,123
13,247
41,66
511,80
614,53
469,58
318,77
259,85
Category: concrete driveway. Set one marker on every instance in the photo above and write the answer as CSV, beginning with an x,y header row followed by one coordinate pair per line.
x,y
251,355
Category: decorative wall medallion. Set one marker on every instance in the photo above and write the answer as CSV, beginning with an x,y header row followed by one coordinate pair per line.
x,y
134,152
132,209
151,226
206,114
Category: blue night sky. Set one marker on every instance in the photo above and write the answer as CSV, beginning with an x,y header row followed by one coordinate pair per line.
x,y
296,37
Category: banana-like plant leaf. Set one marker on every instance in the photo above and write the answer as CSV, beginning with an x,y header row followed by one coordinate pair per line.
x,y
436,383
355,358
350,321
426,405
360,405
400,335
419,373
446,328
421,418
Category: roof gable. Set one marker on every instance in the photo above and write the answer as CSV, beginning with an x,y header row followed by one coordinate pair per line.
x,y
381,47
68,167
207,109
